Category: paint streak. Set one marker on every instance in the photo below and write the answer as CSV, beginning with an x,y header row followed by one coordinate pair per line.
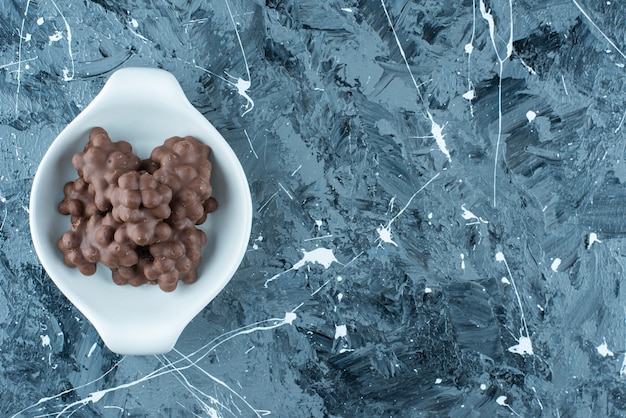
x,y
384,232
486,14
323,256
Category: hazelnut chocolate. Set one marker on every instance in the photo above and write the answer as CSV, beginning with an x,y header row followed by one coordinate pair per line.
x,y
79,200
102,162
92,240
177,258
184,166
142,205
138,217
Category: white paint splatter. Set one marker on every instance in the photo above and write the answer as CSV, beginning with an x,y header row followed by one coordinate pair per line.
x,y
347,9
469,216
296,170
483,386
603,349
242,85
132,30
134,23
55,37
255,246
564,85
242,88
619,51
524,346
19,58
469,48
267,202
622,370
250,143
501,400
530,69
555,264
438,381
428,290
172,368
45,341
437,131
340,331
462,261
530,115
621,123
469,95
339,297
40,21
92,349
68,74
384,235
406,62
384,232
285,190
289,318
486,15
593,238
323,256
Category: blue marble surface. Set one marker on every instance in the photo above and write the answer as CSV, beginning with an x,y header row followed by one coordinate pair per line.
x,y
438,194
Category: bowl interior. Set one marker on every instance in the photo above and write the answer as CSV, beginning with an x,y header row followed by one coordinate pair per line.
x,y
145,123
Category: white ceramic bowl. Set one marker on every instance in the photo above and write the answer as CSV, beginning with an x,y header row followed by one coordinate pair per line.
x,y
143,106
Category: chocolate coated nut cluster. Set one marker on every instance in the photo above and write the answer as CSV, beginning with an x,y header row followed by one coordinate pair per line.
x,y
138,217
184,167
102,163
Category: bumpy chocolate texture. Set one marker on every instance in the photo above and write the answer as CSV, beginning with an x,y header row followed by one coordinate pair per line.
x,y
78,201
138,217
142,205
184,166
169,261
102,162
177,258
91,240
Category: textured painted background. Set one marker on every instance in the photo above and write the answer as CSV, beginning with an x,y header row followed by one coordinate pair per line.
x,y
438,194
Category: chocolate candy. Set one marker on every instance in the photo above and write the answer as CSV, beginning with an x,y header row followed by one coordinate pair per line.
x,y
102,162
78,201
142,205
92,240
177,258
138,217
185,167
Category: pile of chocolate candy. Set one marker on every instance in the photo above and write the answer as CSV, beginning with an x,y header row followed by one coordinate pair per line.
x,y
138,217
